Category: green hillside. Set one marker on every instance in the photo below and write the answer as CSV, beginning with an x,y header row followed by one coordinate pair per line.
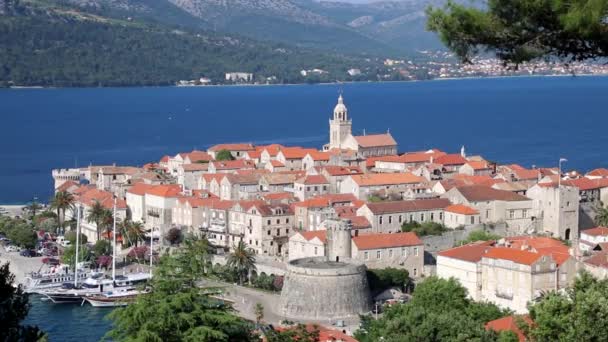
x,y
45,44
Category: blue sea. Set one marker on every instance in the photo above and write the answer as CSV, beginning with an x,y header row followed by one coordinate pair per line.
x,y
531,121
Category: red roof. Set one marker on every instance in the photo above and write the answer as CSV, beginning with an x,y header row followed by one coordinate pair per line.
x,y
326,200
461,209
471,252
371,179
320,234
232,147
277,196
326,334
233,164
168,190
587,184
276,163
597,231
317,155
598,172
509,323
479,165
377,241
378,208
525,174
66,185
196,156
254,154
373,140
450,159
598,260
312,179
296,152
139,188
194,167
164,159
512,254
479,193
342,170
477,179
106,198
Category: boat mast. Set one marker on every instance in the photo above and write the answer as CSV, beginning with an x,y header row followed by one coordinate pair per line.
x,y
151,253
77,245
114,243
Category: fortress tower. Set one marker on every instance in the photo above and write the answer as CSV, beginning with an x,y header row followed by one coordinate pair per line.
x,y
338,239
340,127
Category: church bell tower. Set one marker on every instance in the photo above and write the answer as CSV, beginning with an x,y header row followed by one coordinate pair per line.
x,y
340,126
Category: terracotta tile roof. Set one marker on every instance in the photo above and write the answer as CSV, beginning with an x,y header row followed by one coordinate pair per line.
x,y
471,252
265,209
319,156
296,152
319,234
66,185
278,178
598,260
479,165
208,177
509,323
232,147
196,156
342,170
140,188
325,334
164,159
461,209
371,179
359,222
380,208
374,140
312,179
246,179
477,179
195,167
106,198
253,154
520,242
601,172
233,164
83,188
371,161
479,193
272,149
585,184
168,190
450,159
597,231
421,157
524,174
512,254
515,186
276,163
278,196
376,241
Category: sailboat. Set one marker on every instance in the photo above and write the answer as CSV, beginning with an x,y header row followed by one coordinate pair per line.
x,y
119,296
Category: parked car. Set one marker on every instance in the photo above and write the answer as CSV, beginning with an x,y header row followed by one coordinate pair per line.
x,y
28,253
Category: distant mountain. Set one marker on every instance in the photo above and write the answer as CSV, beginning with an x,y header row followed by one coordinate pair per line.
x,y
384,28
50,43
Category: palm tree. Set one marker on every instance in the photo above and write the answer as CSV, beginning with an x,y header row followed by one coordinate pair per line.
x,y
62,201
98,214
601,215
242,259
259,313
133,231
32,208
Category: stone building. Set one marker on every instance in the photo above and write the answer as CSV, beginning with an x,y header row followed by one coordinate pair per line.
x,y
237,150
398,250
557,208
388,217
459,215
365,185
310,185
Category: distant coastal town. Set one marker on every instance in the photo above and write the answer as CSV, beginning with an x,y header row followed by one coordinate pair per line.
x,y
427,65
318,222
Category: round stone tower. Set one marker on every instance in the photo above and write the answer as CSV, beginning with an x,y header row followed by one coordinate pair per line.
x,y
338,239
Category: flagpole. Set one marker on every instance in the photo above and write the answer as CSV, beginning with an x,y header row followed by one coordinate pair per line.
x,y
77,245
114,243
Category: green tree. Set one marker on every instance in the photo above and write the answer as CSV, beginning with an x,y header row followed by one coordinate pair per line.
x,y
176,309
382,279
439,311
32,208
102,247
424,229
523,30
258,311
14,306
69,255
479,235
62,201
22,235
242,259
507,336
101,216
298,333
132,232
71,236
601,215
224,155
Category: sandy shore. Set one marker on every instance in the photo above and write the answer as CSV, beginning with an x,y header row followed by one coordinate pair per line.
x,y
11,210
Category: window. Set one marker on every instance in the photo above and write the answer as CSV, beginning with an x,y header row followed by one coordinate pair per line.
x,y
268,222
416,251
380,220
316,250
415,272
302,247
432,216
278,221
440,216
287,231
324,187
403,251
390,253
271,243
378,254
400,218
287,220
421,217
366,255
567,203
256,242
524,213
390,219
268,231
472,219
316,188
487,214
511,214
411,218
